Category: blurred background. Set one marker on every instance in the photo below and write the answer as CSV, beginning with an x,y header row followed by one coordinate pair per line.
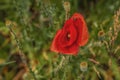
x,y
28,27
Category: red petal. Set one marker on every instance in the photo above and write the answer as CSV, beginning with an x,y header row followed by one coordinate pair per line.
x,y
80,24
85,36
57,46
69,28
71,50
54,45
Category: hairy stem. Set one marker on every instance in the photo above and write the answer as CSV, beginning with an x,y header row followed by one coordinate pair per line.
x,y
22,56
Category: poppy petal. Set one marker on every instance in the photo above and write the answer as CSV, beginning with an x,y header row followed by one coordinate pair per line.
x,y
80,24
54,42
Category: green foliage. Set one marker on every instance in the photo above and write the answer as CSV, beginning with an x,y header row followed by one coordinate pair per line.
x,y
35,23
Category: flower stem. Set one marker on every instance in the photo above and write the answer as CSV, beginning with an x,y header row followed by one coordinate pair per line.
x,y
22,56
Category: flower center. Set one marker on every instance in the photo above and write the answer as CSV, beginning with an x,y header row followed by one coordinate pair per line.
x,y
68,36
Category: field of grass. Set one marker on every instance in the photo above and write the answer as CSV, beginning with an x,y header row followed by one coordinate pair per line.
x,y
28,27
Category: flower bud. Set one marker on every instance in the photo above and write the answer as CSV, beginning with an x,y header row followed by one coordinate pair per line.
x,y
101,35
83,66
8,23
66,6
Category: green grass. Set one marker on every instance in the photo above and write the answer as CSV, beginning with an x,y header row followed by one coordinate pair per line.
x,y
35,23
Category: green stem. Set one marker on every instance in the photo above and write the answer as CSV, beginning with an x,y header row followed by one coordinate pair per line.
x,y
22,56
7,63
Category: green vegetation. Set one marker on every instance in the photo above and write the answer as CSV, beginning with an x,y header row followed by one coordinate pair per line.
x,y
27,28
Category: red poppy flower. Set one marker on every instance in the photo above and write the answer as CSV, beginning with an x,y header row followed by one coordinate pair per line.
x,y
73,34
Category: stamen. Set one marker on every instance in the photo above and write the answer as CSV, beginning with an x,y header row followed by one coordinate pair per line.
x,y
68,36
